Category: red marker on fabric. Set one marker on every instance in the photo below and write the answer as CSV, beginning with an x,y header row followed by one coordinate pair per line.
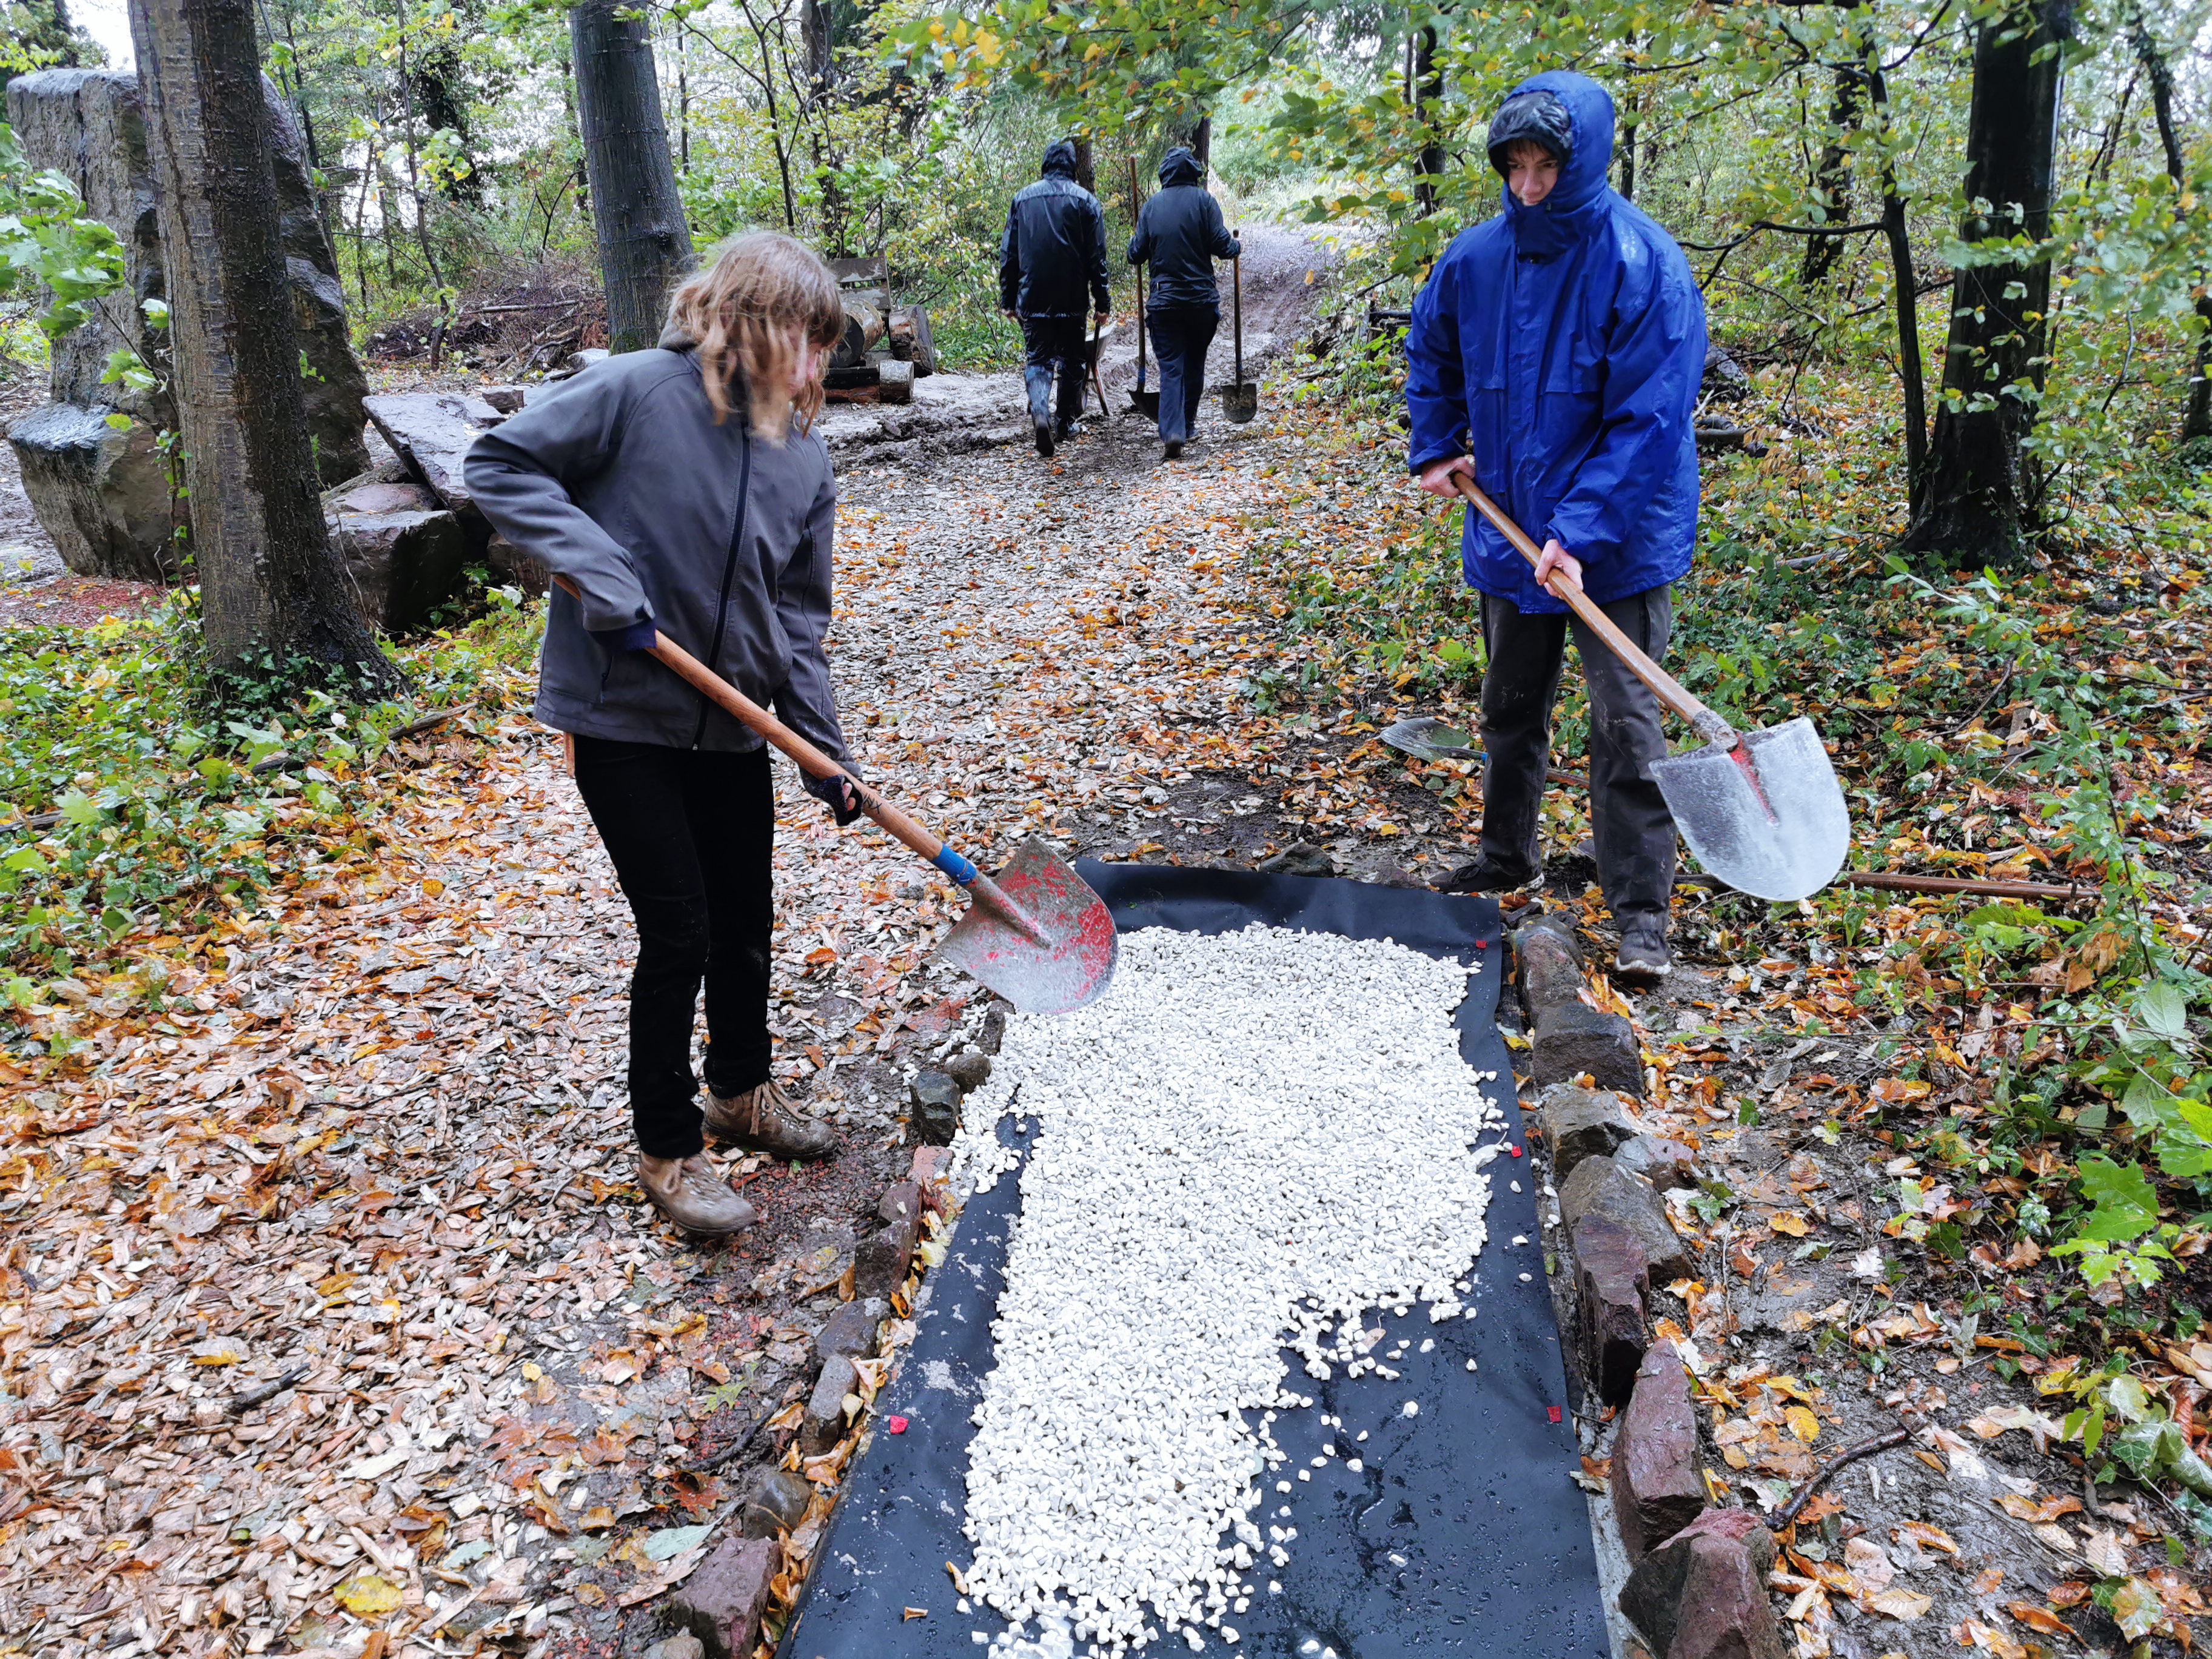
x,y
1553,1412
897,1424
1512,1148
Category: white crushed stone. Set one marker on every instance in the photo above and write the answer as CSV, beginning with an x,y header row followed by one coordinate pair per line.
x,y
1249,1143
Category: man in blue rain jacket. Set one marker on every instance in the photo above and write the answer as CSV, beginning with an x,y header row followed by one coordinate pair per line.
x,y
1554,358
1053,254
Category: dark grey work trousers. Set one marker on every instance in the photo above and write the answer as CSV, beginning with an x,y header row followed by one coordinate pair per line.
x,y
1632,830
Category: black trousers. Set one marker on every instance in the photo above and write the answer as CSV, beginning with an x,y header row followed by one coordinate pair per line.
x,y
1181,337
1053,345
692,833
1633,832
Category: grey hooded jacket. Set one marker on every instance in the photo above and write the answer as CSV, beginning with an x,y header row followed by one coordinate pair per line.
x,y
621,481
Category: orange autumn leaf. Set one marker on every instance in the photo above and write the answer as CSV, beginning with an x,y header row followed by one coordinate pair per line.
x,y
2039,1618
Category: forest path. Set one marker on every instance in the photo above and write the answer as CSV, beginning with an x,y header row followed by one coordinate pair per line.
x,y
371,1172
1284,268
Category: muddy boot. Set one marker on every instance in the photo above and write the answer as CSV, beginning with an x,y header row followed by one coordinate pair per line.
x,y
1043,434
768,1121
1171,450
692,1194
1481,875
1642,955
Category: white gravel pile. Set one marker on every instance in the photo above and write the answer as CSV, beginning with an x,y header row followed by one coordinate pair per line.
x,y
1250,1141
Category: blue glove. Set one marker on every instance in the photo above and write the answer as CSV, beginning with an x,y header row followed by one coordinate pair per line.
x,y
630,637
842,799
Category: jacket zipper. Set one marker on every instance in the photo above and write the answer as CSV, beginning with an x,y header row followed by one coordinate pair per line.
x,y
729,575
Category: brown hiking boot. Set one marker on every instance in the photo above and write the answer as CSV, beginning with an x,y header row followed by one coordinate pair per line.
x,y
768,1121
691,1193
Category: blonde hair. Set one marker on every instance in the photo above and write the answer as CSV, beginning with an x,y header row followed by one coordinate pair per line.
x,y
742,309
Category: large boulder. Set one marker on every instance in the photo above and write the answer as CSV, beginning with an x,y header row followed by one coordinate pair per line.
x,y
431,432
102,495
404,553
89,124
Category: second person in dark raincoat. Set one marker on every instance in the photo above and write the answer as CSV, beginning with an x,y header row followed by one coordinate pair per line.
x,y
1179,234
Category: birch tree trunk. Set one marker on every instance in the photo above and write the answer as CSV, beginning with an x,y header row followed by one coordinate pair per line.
x,y
645,245
274,597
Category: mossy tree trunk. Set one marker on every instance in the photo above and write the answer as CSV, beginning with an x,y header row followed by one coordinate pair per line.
x,y
645,244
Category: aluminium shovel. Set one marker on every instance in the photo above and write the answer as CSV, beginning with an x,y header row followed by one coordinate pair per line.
x,y
1038,935
1761,810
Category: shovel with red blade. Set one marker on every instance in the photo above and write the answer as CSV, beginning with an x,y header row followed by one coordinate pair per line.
x,y
1761,810
1037,935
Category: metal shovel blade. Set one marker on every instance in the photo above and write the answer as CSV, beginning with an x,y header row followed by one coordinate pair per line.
x,y
1145,403
1038,891
1240,402
1770,821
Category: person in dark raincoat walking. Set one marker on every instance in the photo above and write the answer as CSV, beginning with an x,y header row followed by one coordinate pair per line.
x,y
1180,233
1054,248
1554,358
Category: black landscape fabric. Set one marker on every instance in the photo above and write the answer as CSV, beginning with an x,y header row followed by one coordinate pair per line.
x,y
1465,1533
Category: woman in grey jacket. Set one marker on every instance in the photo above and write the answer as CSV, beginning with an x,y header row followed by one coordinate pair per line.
x,y
684,493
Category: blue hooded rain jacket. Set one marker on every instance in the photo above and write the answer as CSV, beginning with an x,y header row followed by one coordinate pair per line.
x,y
1561,346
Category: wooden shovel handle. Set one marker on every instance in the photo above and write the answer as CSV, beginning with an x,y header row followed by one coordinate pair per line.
x,y
1668,689
808,759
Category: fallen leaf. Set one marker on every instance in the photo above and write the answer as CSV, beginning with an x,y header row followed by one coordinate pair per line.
x,y
2102,1551
672,1541
1790,1222
1990,1639
1870,1564
1929,1537
1904,1605
1804,1423
2039,1618
914,1613
2048,1509
2068,1593
370,1596
2136,1610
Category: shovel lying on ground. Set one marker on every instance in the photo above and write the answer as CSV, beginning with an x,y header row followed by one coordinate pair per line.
x,y
1038,935
1240,400
1761,810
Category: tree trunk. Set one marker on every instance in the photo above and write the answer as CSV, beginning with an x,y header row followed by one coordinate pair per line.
x,y
644,244
1428,95
1897,232
1832,178
1201,145
1966,509
2197,419
274,597
1086,172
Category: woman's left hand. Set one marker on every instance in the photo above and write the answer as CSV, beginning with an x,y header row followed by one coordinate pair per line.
x,y
842,799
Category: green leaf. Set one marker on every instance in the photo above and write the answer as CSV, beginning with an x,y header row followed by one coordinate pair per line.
x,y
673,1541
2163,1010
2126,1207
2135,1609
